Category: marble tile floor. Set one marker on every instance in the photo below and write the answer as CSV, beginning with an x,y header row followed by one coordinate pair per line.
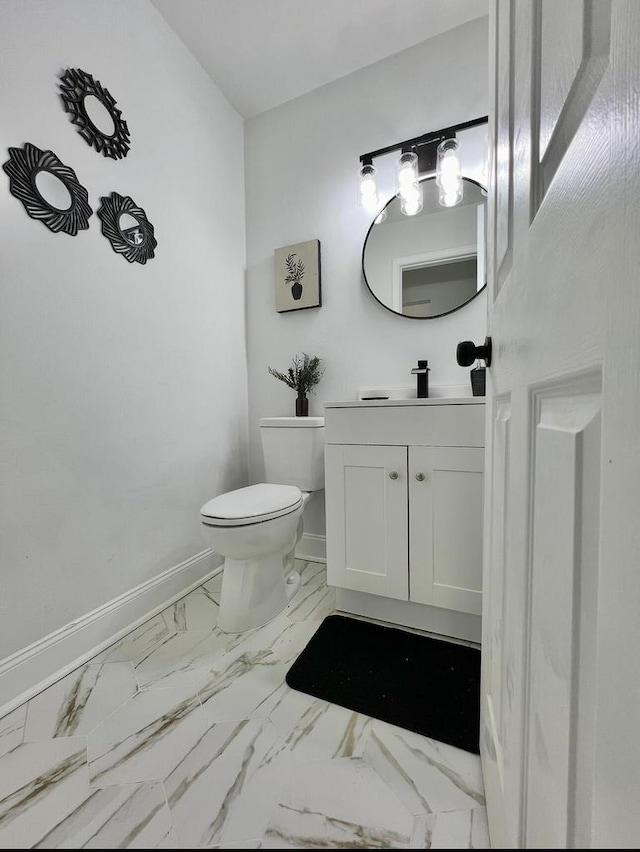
x,y
180,736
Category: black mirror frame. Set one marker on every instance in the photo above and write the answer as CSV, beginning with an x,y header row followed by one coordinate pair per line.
x,y
110,211
364,274
75,86
22,167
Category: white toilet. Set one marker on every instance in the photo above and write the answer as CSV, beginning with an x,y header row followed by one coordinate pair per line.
x,y
257,528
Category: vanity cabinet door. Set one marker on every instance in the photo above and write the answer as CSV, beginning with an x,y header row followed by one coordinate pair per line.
x,y
445,527
367,519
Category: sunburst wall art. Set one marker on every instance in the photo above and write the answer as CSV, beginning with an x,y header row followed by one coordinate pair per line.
x,y
127,228
90,105
49,190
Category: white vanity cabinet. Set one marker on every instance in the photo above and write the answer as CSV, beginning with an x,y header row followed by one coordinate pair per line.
x,y
404,493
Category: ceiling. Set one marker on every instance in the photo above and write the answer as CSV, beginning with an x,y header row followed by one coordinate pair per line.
x,y
261,53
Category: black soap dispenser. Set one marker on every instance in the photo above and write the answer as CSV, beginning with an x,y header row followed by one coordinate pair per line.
x,y
422,373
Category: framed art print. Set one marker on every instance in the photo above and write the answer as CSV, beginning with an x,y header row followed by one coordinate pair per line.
x,y
298,277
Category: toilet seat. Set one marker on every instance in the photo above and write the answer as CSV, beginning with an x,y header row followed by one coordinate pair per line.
x,y
254,504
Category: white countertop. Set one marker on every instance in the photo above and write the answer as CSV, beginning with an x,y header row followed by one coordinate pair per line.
x,y
386,403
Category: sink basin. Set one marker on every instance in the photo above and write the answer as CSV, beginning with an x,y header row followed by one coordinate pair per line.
x,y
409,392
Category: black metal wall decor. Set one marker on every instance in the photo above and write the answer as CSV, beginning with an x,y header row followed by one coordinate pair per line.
x,y
127,228
75,87
23,167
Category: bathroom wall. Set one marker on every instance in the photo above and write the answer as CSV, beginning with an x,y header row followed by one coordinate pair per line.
x,y
123,387
301,162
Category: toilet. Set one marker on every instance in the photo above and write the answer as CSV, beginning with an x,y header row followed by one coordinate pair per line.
x,y
257,528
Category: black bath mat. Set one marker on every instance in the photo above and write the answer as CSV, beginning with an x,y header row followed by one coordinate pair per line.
x,y
425,685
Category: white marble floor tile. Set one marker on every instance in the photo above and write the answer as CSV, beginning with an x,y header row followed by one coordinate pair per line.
x,y
240,683
339,803
427,775
12,729
226,787
261,639
452,830
146,737
183,659
135,816
197,611
317,730
137,644
314,600
40,784
76,704
294,639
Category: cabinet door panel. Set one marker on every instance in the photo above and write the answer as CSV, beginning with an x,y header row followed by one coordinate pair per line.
x,y
367,519
445,539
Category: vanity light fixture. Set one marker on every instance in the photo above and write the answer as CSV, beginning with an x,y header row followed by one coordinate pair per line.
x,y
432,152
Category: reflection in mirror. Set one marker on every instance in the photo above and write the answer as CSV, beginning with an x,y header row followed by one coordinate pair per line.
x,y
130,229
99,115
430,264
53,190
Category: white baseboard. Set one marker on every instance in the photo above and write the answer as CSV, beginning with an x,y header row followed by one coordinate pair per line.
x,y
431,619
312,547
34,668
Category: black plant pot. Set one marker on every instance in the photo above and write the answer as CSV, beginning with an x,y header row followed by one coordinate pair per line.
x,y
302,405
296,290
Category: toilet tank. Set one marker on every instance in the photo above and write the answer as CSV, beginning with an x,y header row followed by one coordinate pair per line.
x,y
293,450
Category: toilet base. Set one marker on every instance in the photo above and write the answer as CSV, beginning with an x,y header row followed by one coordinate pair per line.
x,y
255,591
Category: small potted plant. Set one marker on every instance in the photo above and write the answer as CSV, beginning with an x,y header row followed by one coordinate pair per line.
x,y
295,274
302,376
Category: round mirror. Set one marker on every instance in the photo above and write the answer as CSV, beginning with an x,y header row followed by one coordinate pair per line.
x,y
99,115
130,229
430,264
53,190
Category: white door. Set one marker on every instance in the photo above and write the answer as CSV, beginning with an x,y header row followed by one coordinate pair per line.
x,y
367,524
560,739
445,527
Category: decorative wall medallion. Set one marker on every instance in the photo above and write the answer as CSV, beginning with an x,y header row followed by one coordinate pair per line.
x,y
298,276
127,228
95,112
49,190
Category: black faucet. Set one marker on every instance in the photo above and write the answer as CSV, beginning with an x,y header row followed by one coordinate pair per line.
x,y
422,372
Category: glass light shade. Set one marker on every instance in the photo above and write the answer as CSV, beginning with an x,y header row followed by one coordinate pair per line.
x,y
368,188
411,203
450,196
449,174
406,172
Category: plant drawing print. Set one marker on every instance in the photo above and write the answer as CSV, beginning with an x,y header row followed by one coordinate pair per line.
x,y
295,274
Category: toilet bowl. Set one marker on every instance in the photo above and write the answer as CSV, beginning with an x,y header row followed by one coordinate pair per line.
x,y
257,528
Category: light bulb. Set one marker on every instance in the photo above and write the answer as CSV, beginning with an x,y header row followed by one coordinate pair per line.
x,y
368,189
449,198
410,208
406,172
449,174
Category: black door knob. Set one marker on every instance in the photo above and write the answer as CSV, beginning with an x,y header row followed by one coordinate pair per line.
x,y
467,352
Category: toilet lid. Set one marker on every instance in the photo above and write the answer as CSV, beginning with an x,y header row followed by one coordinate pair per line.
x,y
253,504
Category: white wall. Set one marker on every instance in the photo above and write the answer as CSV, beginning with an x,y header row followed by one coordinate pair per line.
x,y
122,387
301,163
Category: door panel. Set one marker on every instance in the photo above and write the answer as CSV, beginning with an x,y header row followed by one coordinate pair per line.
x,y
501,200
445,527
571,46
559,744
565,505
367,518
